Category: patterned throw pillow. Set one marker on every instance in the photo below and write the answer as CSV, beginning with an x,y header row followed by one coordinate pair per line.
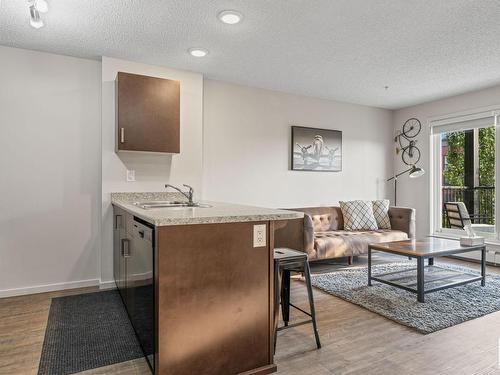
x,y
381,213
358,215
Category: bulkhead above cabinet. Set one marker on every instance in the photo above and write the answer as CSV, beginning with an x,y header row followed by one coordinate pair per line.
x,y
147,114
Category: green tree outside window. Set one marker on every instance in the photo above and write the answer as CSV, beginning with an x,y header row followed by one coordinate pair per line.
x,y
454,173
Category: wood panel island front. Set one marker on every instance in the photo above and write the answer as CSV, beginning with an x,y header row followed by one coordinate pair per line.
x,y
198,283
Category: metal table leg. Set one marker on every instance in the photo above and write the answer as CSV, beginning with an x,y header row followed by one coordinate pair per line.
x,y
369,266
483,266
420,280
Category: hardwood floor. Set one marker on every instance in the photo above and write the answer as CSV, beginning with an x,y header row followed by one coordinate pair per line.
x,y
23,321
355,340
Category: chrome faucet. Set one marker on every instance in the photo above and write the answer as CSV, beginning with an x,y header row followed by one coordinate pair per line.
x,y
188,195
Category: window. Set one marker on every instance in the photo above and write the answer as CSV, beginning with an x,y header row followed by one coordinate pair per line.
x,y
464,169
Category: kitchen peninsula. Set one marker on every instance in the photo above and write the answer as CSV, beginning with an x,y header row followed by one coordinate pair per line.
x,y
198,282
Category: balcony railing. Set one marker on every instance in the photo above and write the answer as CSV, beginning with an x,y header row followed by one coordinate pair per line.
x,y
479,200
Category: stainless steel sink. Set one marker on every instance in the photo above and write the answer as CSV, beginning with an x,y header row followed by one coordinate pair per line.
x,y
168,204
153,204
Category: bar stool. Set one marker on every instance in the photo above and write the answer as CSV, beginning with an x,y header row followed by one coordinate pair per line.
x,y
285,261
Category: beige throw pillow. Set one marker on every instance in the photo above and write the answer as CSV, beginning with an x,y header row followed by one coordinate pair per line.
x,y
381,213
358,215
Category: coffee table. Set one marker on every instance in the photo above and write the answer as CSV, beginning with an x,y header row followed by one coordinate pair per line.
x,y
427,248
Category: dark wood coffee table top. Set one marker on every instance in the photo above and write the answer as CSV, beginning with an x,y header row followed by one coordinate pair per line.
x,y
427,247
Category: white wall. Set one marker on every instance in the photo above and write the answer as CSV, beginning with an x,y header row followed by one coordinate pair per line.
x,y
56,226
247,148
152,170
50,165
416,192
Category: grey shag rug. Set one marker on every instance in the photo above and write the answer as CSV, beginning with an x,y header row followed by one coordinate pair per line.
x,y
441,309
87,331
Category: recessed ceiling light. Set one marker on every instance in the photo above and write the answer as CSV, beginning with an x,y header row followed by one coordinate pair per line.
x,y
230,17
198,52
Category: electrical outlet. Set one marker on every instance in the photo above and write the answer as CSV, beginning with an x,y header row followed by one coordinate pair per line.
x,y
259,235
130,175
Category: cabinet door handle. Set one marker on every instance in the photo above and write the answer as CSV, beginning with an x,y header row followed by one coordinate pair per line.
x,y
126,248
122,135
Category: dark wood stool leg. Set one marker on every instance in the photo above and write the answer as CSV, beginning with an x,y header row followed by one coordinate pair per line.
x,y
349,261
277,293
285,297
307,274
430,261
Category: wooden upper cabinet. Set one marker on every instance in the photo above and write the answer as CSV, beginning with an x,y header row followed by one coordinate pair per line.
x,y
147,114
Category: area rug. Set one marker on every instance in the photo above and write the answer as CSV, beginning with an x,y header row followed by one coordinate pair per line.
x,y
87,331
441,309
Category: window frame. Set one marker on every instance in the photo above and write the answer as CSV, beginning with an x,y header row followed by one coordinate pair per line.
x,y
435,169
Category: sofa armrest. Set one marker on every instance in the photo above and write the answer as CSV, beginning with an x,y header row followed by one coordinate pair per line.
x,y
403,219
309,236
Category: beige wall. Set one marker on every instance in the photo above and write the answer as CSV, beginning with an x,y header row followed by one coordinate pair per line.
x,y
416,192
57,154
152,170
247,148
50,161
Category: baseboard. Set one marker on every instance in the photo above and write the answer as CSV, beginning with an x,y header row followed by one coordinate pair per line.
x,y
48,288
107,285
472,260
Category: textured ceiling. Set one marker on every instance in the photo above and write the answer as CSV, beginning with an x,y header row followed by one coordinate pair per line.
x,y
346,50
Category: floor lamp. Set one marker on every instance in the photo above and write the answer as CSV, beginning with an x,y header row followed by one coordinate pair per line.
x,y
414,172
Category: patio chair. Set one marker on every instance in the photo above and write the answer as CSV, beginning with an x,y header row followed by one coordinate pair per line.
x,y
458,217
457,214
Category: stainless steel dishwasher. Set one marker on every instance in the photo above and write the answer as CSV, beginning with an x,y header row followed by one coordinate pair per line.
x,y
140,296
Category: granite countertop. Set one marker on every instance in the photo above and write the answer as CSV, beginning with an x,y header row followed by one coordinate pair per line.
x,y
218,212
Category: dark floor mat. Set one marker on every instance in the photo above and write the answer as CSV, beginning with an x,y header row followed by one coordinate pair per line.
x,y
87,331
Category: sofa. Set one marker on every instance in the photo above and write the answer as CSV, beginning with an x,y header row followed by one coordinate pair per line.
x,y
325,238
